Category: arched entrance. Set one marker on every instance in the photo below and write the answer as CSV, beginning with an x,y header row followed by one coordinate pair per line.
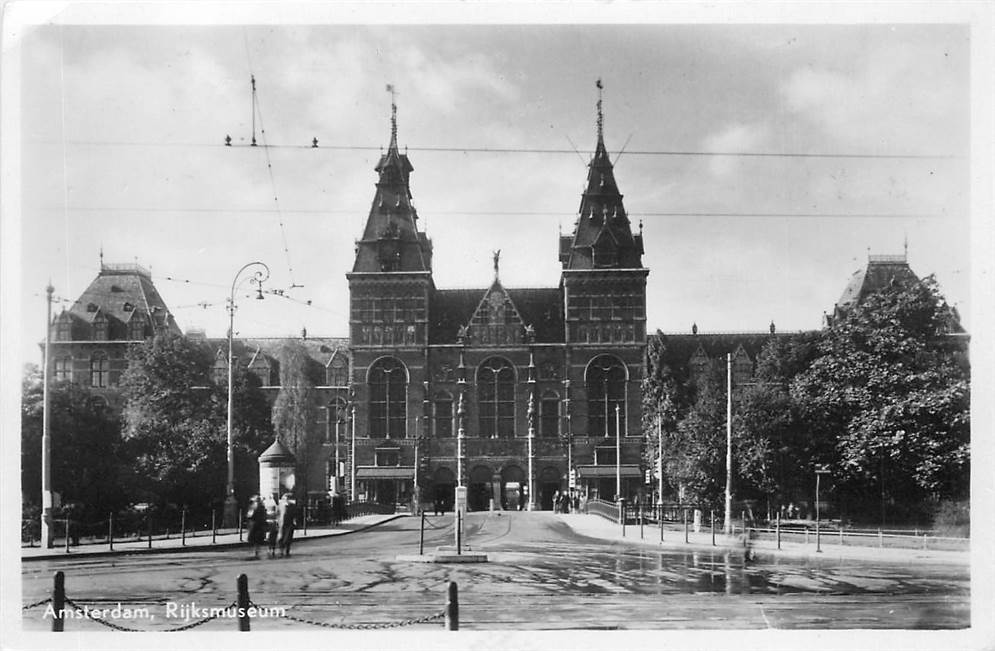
x,y
512,481
443,489
478,494
549,483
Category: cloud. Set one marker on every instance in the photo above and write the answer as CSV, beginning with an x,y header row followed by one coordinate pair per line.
x,y
447,83
898,98
733,138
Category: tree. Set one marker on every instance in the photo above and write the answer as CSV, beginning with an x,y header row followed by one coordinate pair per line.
x,y
252,429
771,445
664,401
86,446
295,409
889,394
173,424
696,450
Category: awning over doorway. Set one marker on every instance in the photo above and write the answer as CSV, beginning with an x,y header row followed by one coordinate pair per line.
x,y
385,472
594,472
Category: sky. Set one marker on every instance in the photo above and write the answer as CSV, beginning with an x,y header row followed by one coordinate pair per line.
x,y
864,130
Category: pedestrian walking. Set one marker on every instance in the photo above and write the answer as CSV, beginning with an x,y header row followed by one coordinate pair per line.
x,y
286,521
256,518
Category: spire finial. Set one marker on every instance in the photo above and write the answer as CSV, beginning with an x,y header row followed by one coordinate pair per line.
x,y
601,116
906,246
497,262
393,114
101,256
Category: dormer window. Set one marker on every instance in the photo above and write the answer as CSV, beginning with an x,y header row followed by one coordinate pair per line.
x,y
116,289
91,307
128,307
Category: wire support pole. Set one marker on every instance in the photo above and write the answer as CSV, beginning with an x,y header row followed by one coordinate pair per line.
x,y
47,535
728,510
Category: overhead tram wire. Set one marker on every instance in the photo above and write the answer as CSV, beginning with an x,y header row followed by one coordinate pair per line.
x,y
536,150
525,213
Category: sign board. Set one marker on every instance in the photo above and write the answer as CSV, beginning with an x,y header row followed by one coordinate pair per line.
x,y
573,478
461,498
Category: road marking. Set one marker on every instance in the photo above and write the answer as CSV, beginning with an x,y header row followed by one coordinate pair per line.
x,y
766,621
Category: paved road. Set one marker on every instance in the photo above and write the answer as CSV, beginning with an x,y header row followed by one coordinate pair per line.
x,y
542,574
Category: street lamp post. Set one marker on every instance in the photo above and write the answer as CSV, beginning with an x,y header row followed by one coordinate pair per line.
x,y
820,470
659,460
352,457
531,413
618,453
47,535
260,274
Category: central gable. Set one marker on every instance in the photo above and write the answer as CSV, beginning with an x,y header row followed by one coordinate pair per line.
x,y
496,321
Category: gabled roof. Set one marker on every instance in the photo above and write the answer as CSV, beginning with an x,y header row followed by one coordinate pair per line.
x,y
120,292
880,272
681,348
542,308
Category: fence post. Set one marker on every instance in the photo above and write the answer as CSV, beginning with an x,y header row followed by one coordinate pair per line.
x,y
67,535
421,536
778,529
880,538
243,602
214,528
685,512
58,601
621,514
150,530
110,531
183,527
640,521
240,525
452,607
713,527
841,533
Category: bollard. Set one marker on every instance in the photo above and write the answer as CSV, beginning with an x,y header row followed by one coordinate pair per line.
x,y
452,607
214,528
421,536
110,531
459,532
841,534
713,527
242,583
305,519
240,525
150,531
621,515
685,512
818,537
640,522
880,538
58,601
777,527
183,528
67,535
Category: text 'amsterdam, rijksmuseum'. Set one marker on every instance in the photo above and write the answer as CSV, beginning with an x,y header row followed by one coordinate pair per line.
x,y
423,362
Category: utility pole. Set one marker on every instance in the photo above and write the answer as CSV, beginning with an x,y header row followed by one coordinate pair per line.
x,y
728,518
618,453
47,535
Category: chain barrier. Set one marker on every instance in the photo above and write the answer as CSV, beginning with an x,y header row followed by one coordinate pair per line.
x,y
364,627
37,603
118,627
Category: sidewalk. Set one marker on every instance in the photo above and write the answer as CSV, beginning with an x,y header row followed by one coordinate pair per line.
x,y
595,526
201,541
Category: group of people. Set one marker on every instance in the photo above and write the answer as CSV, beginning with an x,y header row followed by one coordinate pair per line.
x,y
273,526
564,502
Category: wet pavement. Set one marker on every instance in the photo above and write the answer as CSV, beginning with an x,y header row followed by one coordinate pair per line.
x,y
542,574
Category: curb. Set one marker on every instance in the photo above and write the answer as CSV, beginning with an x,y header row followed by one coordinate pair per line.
x,y
211,547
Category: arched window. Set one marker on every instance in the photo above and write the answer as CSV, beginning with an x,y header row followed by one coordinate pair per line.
x,y
605,380
388,380
549,415
337,371
64,369
443,415
496,398
99,369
